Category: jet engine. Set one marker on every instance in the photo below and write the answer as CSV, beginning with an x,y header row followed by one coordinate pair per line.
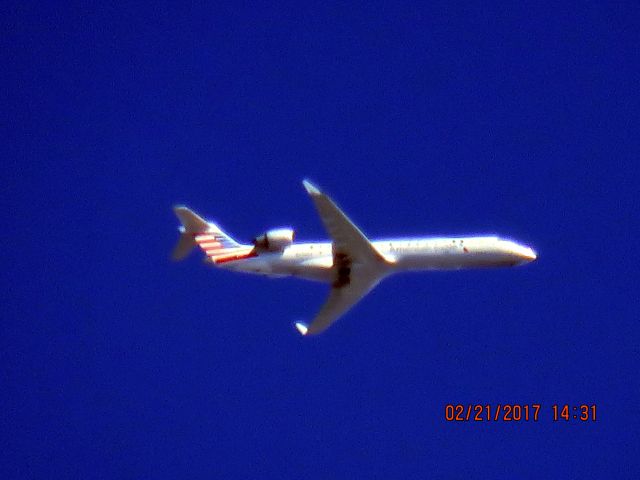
x,y
274,240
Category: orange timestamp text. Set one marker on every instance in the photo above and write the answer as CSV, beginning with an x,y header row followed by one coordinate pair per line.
x,y
516,412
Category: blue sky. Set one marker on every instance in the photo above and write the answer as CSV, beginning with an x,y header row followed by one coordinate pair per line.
x,y
520,120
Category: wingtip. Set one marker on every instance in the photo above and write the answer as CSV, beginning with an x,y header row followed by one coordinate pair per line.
x,y
311,188
302,328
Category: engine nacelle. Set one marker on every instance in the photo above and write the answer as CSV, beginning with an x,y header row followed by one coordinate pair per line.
x,y
275,240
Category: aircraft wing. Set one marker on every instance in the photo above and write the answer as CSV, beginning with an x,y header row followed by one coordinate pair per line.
x,y
357,264
340,300
347,238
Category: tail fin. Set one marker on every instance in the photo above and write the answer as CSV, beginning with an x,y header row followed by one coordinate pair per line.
x,y
195,230
191,221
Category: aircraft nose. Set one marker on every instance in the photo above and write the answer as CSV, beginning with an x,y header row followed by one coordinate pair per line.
x,y
530,254
527,254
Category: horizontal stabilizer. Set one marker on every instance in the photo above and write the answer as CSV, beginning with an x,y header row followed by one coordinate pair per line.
x,y
192,224
183,247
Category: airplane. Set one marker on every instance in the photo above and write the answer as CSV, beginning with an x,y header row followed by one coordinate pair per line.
x,y
351,263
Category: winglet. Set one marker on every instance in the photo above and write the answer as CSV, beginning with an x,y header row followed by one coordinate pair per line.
x,y
302,328
311,188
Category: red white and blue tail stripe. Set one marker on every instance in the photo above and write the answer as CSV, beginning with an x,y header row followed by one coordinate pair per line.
x,y
221,248
217,245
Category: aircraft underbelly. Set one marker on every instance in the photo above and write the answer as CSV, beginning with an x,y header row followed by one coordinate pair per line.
x,y
316,269
452,261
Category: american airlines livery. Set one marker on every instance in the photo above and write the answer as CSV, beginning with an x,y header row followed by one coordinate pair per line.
x,y
351,263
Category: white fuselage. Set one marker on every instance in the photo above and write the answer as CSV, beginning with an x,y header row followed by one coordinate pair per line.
x,y
351,263
314,261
